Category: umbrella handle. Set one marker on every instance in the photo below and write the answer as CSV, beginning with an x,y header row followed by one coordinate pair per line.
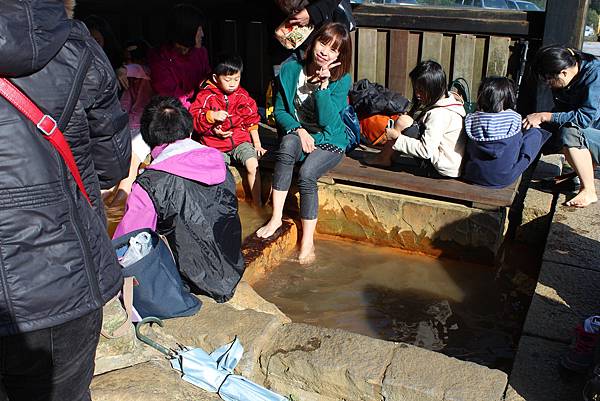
x,y
150,342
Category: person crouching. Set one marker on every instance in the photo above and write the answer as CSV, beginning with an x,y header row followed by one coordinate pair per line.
x,y
188,195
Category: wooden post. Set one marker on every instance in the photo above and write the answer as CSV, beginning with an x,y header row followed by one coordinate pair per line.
x,y
565,22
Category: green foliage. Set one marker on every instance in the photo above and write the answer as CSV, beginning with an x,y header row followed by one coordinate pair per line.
x,y
592,18
595,4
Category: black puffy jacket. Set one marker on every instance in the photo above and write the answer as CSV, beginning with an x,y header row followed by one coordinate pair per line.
x,y
56,261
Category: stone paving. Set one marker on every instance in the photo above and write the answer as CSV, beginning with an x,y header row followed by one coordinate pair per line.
x,y
313,363
566,293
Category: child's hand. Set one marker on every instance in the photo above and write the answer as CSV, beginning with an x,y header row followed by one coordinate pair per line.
x,y
219,116
391,134
222,134
403,122
260,151
121,73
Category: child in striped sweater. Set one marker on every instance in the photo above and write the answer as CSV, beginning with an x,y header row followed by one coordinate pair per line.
x,y
498,152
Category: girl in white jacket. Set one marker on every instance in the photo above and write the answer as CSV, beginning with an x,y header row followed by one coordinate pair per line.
x,y
434,135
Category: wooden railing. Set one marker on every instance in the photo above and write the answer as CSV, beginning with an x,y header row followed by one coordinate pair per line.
x,y
469,44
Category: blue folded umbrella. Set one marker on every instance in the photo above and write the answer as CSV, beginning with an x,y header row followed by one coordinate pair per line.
x,y
213,372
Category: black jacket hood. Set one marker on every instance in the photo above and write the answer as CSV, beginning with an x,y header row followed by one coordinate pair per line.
x,y
31,33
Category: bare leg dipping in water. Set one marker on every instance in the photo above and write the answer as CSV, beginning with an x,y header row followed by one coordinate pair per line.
x,y
278,201
307,244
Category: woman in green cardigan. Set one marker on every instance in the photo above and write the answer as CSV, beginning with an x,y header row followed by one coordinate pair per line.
x,y
310,97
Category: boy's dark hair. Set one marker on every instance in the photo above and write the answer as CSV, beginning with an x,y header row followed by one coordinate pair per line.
x,y
429,78
228,64
183,24
496,94
550,60
165,120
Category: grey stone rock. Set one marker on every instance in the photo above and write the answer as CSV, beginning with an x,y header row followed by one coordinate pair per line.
x,y
150,381
246,298
535,375
535,217
564,296
574,237
117,353
416,374
306,361
548,166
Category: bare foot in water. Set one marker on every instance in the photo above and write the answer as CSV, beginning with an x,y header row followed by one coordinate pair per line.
x,y
307,256
584,198
269,229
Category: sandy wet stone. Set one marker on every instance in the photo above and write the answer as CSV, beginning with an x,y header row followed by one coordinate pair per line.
x,y
331,363
246,298
150,381
418,375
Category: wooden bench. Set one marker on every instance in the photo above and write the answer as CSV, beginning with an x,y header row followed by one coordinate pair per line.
x,y
352,171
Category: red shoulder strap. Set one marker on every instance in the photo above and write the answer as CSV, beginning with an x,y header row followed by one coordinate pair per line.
x,y
45,124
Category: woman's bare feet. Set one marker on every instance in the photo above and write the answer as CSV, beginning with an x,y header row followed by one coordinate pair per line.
x,y
269,229
307,256
583,198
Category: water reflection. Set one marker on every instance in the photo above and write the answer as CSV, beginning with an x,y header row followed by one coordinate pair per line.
x,y
456,308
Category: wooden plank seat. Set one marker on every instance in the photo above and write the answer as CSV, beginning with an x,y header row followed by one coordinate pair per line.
x,y
353,171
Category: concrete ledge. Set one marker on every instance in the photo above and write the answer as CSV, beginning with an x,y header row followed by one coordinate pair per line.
x,y
564,296
536,376
415,224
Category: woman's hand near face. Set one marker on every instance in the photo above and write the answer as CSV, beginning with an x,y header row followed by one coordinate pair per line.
x,y
535,119
307,141
323,74
301,18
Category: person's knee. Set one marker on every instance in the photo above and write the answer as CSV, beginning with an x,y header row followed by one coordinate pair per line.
x,y
252,165
307,180
288,149
571,137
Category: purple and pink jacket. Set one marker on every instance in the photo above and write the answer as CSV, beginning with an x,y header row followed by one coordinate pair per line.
x,y
185,158
177,75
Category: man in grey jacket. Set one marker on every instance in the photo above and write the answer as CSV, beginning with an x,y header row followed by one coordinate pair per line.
x,y
57,265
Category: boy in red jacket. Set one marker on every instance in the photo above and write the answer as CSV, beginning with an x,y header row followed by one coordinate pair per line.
x,y
226,118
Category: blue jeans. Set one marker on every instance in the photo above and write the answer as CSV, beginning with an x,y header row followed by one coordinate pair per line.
x,y
53,364
315,164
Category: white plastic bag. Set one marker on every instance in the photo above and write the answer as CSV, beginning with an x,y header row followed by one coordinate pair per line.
x,y
139,246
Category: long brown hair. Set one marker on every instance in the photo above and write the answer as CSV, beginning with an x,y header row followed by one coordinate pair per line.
x,y
338,35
